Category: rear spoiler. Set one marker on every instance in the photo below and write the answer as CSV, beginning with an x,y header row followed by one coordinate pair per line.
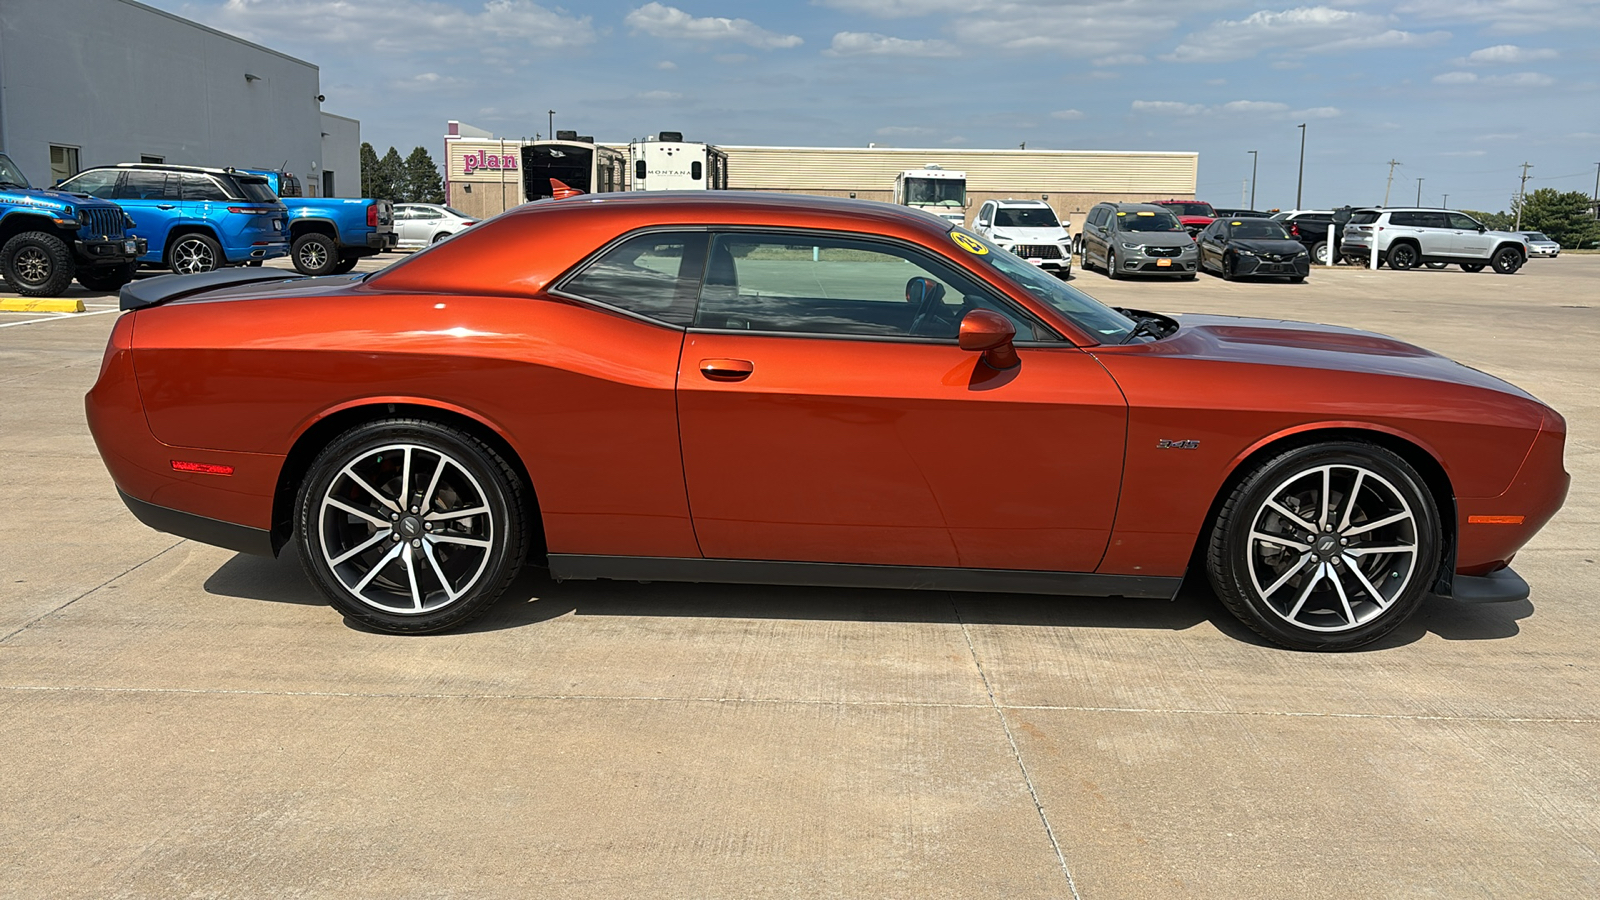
x,y
155,291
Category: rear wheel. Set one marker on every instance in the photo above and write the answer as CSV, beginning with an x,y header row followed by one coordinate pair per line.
x,y
314,253
1402,257
1437,265
107,278
1319,253
1507,260
408,526
1326,547
194,253
37,264
1472,267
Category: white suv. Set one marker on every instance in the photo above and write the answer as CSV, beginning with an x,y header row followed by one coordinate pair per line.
x,y
1409,237
1030,229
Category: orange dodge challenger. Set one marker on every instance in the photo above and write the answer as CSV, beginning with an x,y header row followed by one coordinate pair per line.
x,y
757,388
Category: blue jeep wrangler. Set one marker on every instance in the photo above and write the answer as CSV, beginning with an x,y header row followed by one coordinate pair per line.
x,y
328,234
47,237
194,219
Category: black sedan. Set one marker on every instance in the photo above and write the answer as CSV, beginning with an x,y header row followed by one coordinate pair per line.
x,y
1241,248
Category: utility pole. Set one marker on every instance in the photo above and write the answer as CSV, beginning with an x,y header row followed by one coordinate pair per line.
x,y
1446,203
1522,194
552,124
1596,197
1256,157
1390,183
1300,186
1419,191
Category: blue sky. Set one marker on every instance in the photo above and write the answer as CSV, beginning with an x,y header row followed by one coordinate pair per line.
x,y
1461,92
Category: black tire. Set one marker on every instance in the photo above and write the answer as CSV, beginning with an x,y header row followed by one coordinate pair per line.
x,y
1507,260
1111,265
37,264
1319,253
431,570
1370,592
107,278
1472,267
1437,265
1226,268
314,253
439,237
345,265
1402,257
193,253
1083,256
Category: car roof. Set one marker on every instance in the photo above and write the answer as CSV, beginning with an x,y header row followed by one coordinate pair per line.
x,y
1011,201
165,167
1137,207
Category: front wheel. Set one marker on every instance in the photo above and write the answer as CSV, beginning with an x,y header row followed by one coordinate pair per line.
x,y
1111,265
1226,266
1319,252
1507,261
193,253
1472,267
1326,547
106,278
409,526
37,264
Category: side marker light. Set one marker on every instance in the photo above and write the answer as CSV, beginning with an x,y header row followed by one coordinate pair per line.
x,y
1494,520
201,468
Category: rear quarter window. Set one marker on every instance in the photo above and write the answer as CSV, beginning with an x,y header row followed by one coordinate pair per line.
x,y
1365,217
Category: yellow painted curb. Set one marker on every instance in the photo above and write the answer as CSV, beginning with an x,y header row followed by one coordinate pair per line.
x,y
44,305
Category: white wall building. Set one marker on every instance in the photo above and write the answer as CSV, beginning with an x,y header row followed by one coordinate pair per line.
x,y
94,82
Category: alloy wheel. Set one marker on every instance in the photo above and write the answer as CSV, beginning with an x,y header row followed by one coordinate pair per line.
x,y
313,255
32,266
1332,548
406,529
192,256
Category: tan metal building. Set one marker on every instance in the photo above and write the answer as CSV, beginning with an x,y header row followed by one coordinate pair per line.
x,y
1071,180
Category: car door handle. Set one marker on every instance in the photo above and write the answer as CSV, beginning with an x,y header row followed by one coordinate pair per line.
x,y
165,206
726,369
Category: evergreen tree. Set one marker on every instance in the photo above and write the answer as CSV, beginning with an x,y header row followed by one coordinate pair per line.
x,y
1562,217
369,168
423,184
389,176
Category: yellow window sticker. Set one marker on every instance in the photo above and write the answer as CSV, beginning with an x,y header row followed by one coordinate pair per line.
x,y
970,244
1146,213
1235,223
1121,214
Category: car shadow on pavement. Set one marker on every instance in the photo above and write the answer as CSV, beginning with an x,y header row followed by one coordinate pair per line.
x,y
534,597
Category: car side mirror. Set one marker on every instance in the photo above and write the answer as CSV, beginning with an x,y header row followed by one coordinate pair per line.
x,y
987,332
1482,228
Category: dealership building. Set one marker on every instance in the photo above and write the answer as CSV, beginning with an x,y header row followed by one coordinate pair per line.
x,y
94,82
1072,181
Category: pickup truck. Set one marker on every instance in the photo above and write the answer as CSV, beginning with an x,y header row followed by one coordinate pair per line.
x,y
327,235
49,237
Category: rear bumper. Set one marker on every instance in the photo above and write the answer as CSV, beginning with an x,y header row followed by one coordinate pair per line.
x,y
1503,586
256,251
199,528
383,240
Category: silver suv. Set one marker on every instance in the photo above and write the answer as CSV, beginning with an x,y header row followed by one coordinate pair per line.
x,y
1130,238
1408,238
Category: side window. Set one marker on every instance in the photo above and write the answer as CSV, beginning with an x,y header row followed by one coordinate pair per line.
x,y
840,286
1098,217
140,184
199,187
1462,221
986,215
655,275
1433,220
423,212
402,213
100,183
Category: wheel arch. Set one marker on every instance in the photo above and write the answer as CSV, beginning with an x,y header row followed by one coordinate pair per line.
x,y
1415,452
178,231
316,433
19,221
298,227
1508,245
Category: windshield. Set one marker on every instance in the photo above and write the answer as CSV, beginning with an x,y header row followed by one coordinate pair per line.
x,y
1077,307
1534,236
1148,221
10,174
936,191
255,188
1259,229
1026,217
1192,209
1364,217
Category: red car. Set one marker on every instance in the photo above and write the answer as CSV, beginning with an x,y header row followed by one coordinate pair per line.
x,y
1194,215
726,387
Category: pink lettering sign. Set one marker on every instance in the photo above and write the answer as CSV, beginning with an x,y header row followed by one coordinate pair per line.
x,y
472,162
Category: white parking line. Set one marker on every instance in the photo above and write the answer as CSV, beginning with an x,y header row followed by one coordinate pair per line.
x,y
58,317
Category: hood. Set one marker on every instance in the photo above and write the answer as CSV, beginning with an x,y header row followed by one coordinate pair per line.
x,y
1052,235
1196,220
1268,245
49,199
1311,346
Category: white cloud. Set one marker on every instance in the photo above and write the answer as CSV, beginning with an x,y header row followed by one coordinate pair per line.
x,y
1121,59
1515,79
856,43
1318,112
401,25
1253,107
1067,115
1464,153
1504,16
899,9
660,95
672,23
1309,29
1508,54
1167,107
666,65
1455,78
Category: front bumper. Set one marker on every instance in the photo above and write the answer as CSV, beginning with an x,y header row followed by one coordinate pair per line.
x,y
110,251
1547,253
1054,257
1297,267
1143,261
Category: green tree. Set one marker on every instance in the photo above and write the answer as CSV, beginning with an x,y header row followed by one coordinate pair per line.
x,y
1497,221
1562,217
389,177
423,184
369,168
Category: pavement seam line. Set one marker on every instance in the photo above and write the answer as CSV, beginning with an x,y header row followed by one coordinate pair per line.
x,y
1016,753
45,615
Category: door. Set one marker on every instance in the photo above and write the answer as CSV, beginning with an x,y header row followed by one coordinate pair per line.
x,y
985,221
1209,244
1469,241
150,197
828,415
404,222
1094,235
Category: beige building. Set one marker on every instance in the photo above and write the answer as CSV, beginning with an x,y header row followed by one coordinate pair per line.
x,y
1071,180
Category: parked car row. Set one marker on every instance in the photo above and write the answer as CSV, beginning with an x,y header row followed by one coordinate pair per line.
x,y
48,238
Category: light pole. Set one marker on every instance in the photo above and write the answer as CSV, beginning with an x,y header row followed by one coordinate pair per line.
x,y
1256,157
1419,191
1300,185
1446,203
552,124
